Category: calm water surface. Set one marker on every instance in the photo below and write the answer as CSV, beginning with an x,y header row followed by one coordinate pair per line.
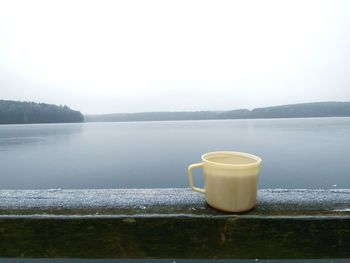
x,y
296,153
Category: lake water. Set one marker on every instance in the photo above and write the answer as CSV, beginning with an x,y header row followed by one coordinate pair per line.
x,y
296,153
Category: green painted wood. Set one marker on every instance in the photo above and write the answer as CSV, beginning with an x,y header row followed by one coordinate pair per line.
x,y
172,223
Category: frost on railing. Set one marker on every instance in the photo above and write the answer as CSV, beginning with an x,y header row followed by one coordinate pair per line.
x,y
172,223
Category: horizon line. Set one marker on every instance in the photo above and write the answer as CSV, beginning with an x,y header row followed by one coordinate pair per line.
x,y
187,111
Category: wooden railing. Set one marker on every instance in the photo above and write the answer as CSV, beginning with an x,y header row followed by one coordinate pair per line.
x,y
172,223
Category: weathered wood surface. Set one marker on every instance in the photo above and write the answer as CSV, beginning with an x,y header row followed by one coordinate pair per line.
x,y
172,223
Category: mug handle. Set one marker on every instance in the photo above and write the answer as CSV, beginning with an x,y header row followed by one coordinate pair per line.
x,y
194,188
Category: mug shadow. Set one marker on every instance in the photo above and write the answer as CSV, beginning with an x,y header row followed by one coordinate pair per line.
x,y
211,208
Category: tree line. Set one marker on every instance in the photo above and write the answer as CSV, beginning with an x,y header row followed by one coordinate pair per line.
x,y
21,112
302,110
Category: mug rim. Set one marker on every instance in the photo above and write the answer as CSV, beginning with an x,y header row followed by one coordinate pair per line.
x,y
257,159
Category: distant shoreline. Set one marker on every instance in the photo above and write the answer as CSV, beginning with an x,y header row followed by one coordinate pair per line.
x,y
302,110
277,118
73,123
13,112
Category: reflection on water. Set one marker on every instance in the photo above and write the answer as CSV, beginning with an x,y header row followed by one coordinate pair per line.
x,y
11,135
296,153
19,140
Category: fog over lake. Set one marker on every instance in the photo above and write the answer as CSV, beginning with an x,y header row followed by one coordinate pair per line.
x,y
296,153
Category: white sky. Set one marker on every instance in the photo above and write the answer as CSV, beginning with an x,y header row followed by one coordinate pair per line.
x,y
128,56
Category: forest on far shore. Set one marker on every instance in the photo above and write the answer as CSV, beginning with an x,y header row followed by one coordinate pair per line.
x,y
21,112
301,110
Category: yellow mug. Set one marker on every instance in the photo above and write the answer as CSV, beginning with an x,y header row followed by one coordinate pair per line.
x,y
230,180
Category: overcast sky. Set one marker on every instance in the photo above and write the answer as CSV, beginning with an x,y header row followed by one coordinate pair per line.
x,y
129,56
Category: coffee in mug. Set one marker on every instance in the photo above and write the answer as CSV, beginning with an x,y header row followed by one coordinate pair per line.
x,y
230,180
